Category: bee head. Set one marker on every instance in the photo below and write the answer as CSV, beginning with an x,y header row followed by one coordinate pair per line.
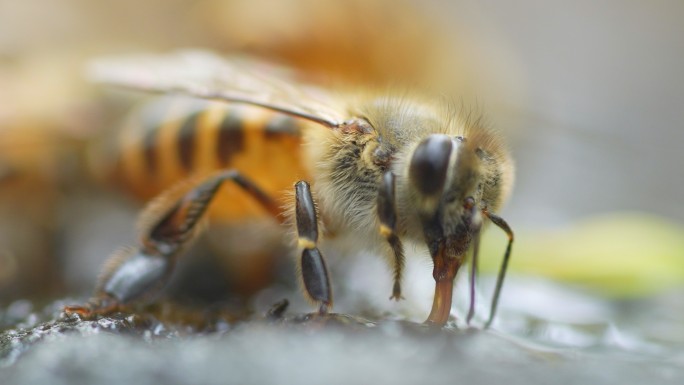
x,y
445,181
444,177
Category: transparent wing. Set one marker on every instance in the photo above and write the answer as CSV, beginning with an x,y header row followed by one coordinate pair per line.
x,y
207,75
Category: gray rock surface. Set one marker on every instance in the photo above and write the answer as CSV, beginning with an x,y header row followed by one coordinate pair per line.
x,y
300,349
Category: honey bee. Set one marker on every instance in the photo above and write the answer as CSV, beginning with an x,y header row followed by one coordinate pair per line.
x,y
377,168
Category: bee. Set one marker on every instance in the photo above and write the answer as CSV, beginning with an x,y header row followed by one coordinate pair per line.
x,y
379,169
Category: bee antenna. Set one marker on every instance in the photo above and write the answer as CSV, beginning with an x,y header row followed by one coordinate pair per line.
x,y
500,223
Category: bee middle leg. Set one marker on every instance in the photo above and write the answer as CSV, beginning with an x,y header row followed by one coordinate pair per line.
x,y
137,273
314,272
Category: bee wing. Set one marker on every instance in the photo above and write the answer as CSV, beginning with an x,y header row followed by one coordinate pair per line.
x,y
206,75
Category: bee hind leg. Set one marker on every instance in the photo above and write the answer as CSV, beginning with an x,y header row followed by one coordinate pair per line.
x,y
314,273
136,274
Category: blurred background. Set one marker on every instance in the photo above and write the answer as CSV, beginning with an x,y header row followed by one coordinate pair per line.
x,y
588,94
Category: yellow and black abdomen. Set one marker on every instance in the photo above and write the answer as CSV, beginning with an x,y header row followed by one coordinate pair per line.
x,y
174,139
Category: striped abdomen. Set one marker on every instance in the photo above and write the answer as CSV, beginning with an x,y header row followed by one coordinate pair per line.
x,y
176,138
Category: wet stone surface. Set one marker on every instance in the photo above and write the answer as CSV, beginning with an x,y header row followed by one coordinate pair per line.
x,y
47,346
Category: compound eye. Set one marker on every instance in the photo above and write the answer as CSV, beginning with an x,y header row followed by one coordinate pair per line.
x,y
430,163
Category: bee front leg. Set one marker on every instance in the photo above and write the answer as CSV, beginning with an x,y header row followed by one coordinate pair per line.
x,y
312,267
135,274
387,213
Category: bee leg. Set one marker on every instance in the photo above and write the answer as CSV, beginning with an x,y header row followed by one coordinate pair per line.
x,y
137,273
387,213
314,273
500,223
